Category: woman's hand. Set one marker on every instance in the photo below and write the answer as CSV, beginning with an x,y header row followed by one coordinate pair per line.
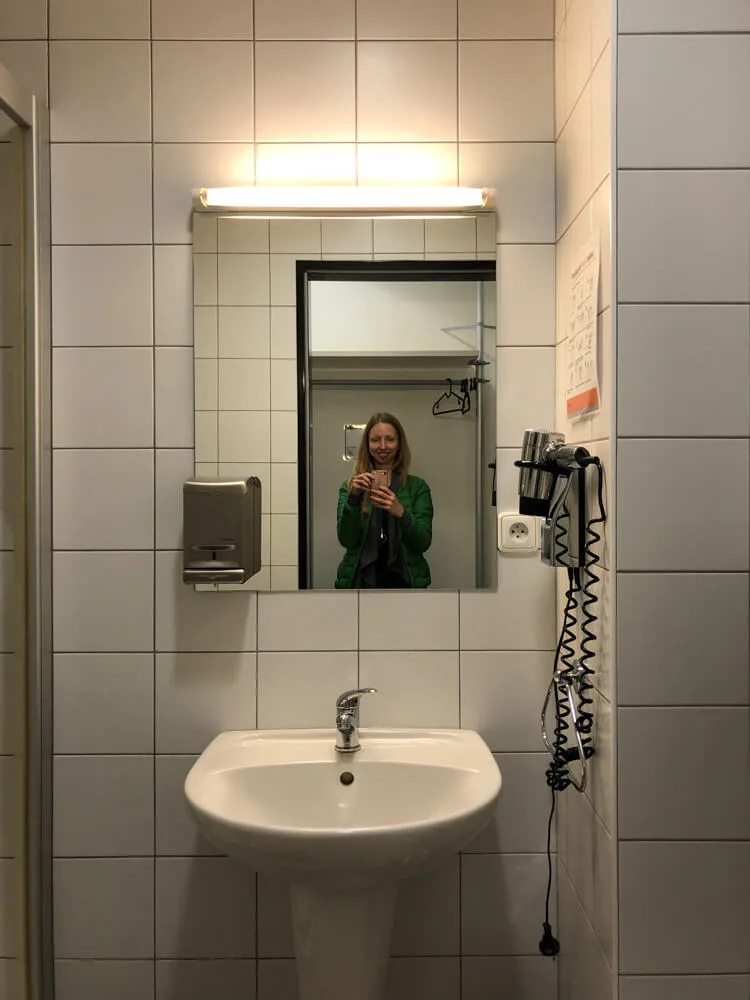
x,y
361,483
386,499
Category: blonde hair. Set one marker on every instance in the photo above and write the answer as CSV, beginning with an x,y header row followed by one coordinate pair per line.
x,y
363,461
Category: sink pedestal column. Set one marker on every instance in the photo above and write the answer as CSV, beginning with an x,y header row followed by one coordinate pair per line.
x,y
342,941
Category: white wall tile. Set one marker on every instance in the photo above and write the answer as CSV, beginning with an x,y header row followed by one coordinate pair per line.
x,y
103,601
680,101
206,279
12,688
101,296
652,474
331,19
230,19
99,907
413,620
284,534
304,91
670,626
205,908
24,21
177,832
525,390
104,806
118,691
299,690
231,979
306,163
284,279
181,168
407,163
684,987
682,236
519,823
512,19
439,978
173,313
684,907
683,15
12,790
418,19
90,19
242,235
658,799
323,621
117,980
103,499
101,193
505,91
501,696
218,76
526,295
102,92
283,436
297,236
523,178
283,491
502,896
450,236
525,978
199,695
601,119
392,236
347,236
406,91
414,689
28,63
244,331
198,621
520,615
244,436
174,419
583,971
695,381
243,279
427,917
244,384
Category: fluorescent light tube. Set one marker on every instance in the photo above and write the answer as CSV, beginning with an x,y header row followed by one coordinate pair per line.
x,y
343,199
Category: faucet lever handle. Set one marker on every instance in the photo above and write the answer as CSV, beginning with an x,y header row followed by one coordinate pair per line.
x,y
350,699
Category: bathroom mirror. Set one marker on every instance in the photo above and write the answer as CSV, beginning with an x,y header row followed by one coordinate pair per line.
x,y
307,328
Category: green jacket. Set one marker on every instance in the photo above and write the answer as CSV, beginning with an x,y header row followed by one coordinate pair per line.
x,y
415,539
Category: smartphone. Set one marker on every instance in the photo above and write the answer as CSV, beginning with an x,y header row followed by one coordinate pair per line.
x,y
379,478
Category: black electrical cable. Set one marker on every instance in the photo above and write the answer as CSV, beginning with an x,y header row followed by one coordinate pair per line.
x,y
549,946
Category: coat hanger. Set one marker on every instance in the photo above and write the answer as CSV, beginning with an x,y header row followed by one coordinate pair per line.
x,y
449,399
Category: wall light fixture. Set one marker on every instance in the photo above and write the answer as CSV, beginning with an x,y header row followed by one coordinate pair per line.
x,y
350,199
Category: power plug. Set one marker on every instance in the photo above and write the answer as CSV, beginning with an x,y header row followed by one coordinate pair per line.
x,y
517,532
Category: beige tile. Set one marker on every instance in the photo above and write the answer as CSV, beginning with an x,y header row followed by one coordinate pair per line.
x,y
102,92
406,91
230,19
530,978
684,15
244,384
306,163
407,163
304,91
389,19
324,621
219,79
241,235
300,689
670,893
501,898
415,620
682,236
244,436
414,689
513,19
523,178
243,279
506,91
526,295
173,314
244,331
330,19
90,19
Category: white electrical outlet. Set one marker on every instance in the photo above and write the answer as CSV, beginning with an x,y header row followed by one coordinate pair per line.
x,y
517,532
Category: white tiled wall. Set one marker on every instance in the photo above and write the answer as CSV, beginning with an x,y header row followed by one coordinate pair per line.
x,y
683,388
148,101
12,702
586,830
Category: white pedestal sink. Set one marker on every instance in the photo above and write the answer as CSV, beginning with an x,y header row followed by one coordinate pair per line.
x,y
341,830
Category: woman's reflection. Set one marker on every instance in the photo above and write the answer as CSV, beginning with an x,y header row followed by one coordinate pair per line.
x,y
384,513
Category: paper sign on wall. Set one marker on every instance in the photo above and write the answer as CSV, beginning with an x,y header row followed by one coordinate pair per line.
x,y
582,395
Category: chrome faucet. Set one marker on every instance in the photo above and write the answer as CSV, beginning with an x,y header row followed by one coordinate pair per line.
x,y
347,719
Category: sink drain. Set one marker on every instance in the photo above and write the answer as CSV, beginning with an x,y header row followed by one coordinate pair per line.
x,y
346,777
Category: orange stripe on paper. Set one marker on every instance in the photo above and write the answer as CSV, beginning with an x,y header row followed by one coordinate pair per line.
x,y
583,400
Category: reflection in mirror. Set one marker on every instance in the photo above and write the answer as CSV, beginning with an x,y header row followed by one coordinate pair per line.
x,y
398,397
296,354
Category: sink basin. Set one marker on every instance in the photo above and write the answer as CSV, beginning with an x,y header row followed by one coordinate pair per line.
x,y
342,830
275,800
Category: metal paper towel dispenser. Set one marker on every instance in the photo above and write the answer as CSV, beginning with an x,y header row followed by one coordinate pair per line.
x,y
222,526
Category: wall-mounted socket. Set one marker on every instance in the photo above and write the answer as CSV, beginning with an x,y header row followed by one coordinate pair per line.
x,y
517,532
